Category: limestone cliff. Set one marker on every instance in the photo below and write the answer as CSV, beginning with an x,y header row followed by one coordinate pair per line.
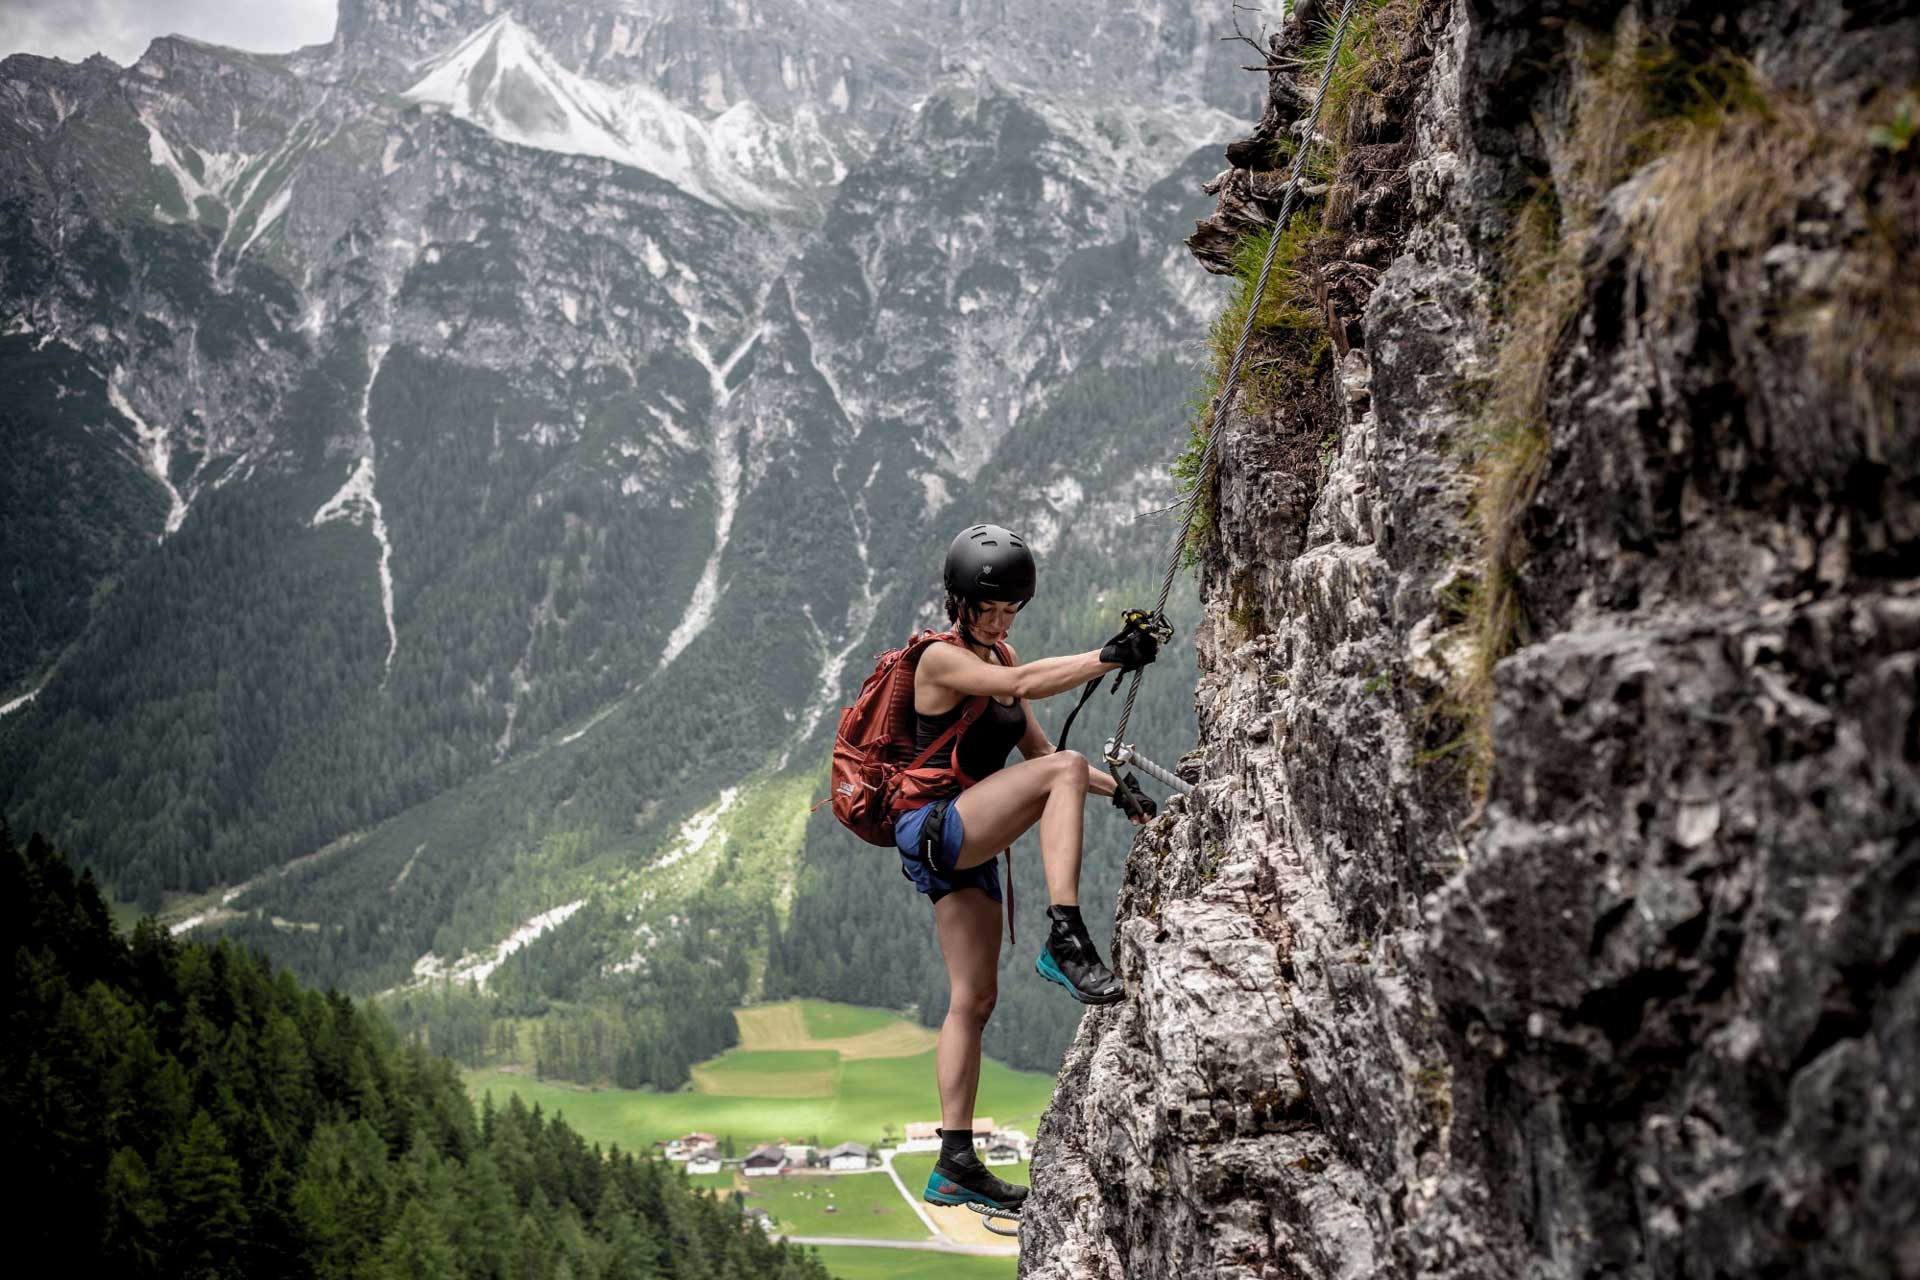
x,y
1547,903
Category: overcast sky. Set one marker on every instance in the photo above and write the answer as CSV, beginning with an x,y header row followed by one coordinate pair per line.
x,y
121,29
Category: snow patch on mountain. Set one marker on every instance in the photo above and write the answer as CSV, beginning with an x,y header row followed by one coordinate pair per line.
x,y
697,831
723,452
357,500
478,968
268,216
8,708
860,617
504,80
156,451
161,153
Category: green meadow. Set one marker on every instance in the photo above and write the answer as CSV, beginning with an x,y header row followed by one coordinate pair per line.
x,y
826,1020
864,1205
799,1093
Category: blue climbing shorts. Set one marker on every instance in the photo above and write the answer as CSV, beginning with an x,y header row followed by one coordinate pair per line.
x,y
940,879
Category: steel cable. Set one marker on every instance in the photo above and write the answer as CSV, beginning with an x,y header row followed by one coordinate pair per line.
x,y
1203,473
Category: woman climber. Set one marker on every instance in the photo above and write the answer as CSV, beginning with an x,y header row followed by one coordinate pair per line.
x,y
948,847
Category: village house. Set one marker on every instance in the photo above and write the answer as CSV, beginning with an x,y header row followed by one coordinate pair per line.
x,y
683,1147
764,1161
848,1155
705,1160
797,1152
1001,1151
922,1136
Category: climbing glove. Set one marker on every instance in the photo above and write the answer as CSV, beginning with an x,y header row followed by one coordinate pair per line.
x,y
1130,787
1132,649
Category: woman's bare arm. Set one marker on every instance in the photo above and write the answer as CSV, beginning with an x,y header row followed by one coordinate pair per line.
x,y
962,671
1035,743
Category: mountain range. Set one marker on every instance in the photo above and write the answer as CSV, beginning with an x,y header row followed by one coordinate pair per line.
x,y
455,472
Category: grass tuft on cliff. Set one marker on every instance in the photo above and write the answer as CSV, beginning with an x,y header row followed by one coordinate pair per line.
x,y
1363,66
1732,186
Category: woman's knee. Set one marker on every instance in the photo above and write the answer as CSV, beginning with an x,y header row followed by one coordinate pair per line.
x,y
1072,767
974,1004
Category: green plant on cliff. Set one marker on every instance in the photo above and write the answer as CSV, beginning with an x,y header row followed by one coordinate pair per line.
x,y
1288,347
1318,167
1364,63
1896,135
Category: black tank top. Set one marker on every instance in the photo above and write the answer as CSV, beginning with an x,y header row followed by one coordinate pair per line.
x,y
985,744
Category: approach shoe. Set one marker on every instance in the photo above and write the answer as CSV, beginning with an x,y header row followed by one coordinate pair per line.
x,y
1071,959
972,1183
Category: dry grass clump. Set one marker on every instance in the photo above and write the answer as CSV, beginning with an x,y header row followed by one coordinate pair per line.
x,y
1731,169
1634,99
1542,288
1730,189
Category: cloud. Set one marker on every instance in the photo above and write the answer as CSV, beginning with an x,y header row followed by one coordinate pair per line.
x,y
122,29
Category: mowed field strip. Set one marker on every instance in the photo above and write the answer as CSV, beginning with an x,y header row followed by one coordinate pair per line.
x,y
810,1024
770,1073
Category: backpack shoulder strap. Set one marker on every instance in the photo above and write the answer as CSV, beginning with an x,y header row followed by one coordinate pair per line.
x,y
969,713
974,706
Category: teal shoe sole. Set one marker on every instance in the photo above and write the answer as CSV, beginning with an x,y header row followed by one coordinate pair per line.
x,y
943,1191
1046,968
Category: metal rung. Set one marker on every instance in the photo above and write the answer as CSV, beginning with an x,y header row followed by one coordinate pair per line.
x,y
994,1218
1126,755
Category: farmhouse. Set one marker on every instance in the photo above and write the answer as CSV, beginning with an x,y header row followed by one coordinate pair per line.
x,y
683,1147
705,1160
922,1136
1001,1151
764,1161
848,1155
797,1152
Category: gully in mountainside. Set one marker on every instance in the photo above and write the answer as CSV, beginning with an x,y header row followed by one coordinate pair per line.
x,y
971,700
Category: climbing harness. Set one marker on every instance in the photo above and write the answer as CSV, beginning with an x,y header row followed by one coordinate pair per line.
x,y
994,1216
1119,752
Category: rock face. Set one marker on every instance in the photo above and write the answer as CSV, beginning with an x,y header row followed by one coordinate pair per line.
x,y
1641,1000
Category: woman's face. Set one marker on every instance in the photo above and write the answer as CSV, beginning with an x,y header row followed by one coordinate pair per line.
x,y
992,619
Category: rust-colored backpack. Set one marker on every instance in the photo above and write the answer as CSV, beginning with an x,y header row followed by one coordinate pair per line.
x,y
876,773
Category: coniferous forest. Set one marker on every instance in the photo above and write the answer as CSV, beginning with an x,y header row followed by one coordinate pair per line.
x,y
186,1110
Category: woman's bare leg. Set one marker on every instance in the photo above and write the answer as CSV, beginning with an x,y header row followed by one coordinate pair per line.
x,y
968,922
1050,790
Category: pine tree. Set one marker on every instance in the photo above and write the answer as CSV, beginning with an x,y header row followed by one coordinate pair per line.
x,y
131,1213
417,1248
206,1210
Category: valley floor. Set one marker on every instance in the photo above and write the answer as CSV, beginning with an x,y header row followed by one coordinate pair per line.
x,y
818,1073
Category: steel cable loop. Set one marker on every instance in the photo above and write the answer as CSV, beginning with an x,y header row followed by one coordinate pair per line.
x,y
1203,473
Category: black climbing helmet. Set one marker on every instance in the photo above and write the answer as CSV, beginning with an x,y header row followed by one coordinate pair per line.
x,y
987,562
